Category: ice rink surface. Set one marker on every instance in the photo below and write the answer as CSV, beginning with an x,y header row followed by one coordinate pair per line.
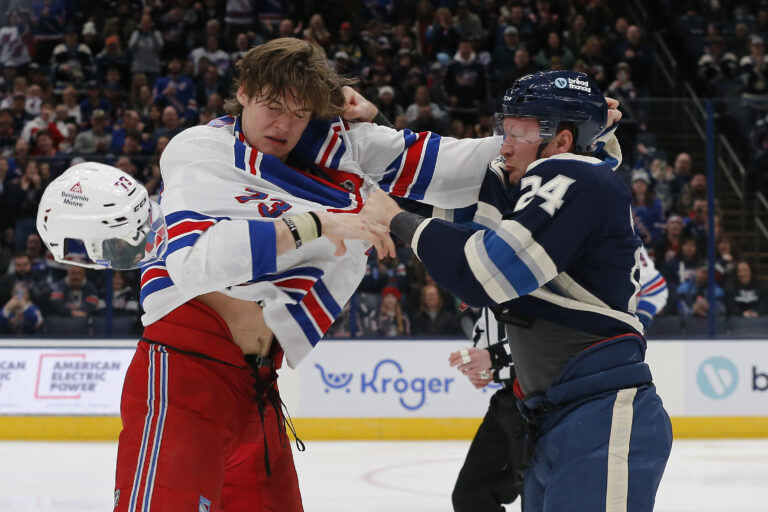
x,y
702,476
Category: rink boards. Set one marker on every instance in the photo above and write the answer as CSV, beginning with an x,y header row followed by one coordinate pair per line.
x,y
371,389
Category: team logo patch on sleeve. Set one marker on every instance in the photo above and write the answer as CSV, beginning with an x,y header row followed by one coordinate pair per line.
x,y
205,505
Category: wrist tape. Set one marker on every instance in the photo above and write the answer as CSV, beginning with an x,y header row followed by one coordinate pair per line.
x,y
304,227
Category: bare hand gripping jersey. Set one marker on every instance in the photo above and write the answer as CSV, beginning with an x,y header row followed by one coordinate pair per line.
x,y
221,197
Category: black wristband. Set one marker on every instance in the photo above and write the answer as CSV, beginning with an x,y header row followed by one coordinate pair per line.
x,y
294,230
382,120
317,224
405,224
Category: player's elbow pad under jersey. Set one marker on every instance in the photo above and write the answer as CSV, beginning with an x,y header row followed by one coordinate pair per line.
x,y
228,253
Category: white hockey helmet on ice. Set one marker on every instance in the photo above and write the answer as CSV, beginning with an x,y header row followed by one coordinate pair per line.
x,y
107,211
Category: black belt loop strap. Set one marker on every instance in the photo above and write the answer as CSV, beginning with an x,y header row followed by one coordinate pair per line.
x,y
266,387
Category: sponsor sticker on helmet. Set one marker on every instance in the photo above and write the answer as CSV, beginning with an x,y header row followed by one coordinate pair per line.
x,y
561,83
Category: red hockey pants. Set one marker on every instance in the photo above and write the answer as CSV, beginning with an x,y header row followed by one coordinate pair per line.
x,y
193,438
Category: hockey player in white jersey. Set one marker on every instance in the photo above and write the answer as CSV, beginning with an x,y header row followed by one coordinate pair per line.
x,y
202,420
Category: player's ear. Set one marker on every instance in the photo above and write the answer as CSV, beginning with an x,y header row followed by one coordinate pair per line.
x,y
563,142
242,97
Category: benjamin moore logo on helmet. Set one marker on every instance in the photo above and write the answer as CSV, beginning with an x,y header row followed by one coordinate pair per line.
x,y
717,377
561,83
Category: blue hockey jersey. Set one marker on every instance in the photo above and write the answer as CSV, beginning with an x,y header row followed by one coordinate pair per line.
x,y
559,246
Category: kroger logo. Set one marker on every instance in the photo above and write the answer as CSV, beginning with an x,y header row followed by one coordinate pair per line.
x,y
561,83
387,378
717,377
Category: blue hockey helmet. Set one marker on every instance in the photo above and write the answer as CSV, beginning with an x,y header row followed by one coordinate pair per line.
x,y
553,97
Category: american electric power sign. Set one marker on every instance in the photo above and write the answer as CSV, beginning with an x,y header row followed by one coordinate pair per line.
x,y
52,381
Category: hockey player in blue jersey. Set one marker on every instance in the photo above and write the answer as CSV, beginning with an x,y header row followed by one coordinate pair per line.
x,y
557,257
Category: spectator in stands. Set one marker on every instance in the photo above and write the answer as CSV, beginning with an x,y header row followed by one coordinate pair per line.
x,y
218,58
744,295
591,52
465,84
718,68
113,56
696,224
20,271
554,48
17,162
348,43
176,90
125,302
649,215
45,151
92,102
74,296
69,101
753,69
726,256
503,61
8,135
576,35
389,320
638,55
387,104
95,140
131,124
170,125
22,198
432,319
19,111
145,45
668,247
421,99
343,326
467,23
317,33
694,190
442,36
692,295
683,267
72,62
16,37
45,121
20,315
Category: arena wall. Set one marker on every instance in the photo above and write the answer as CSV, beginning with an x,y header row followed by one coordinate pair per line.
x,y
371,389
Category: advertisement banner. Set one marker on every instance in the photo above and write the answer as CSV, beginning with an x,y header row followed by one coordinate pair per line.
x,y
381,379
78,381
388,379
727,378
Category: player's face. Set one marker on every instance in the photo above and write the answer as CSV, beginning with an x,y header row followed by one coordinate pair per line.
x,y
273,127
520,145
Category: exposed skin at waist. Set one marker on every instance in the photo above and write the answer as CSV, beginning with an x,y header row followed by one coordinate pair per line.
x,y
245,321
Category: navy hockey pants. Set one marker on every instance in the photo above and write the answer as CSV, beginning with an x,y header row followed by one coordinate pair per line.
x,y
603,453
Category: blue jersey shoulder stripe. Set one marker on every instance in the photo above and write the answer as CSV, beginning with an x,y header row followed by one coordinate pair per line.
x,y
153,286
301,317
186,240
392,169
326,298
427,170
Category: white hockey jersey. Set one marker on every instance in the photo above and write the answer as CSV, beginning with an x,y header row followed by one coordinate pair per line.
x,y
216,186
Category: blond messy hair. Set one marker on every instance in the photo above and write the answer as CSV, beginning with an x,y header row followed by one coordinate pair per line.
x,y
289,68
